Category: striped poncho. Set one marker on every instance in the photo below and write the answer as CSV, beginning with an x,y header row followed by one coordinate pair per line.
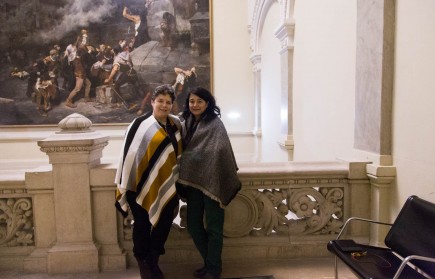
x,y
148,165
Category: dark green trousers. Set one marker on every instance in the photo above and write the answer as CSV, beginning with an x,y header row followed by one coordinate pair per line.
x,y
208,239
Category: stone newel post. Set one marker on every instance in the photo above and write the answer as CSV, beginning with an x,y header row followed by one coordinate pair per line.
x,y
72,153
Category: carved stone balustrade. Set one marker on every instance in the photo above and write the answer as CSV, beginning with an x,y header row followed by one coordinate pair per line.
x,y
286,210
61,218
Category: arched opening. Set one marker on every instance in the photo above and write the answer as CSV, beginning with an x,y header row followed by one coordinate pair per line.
x,y
272,45
271,87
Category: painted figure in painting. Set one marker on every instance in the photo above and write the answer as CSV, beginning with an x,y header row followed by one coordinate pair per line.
x,y
139,19
122,72
79,64
44,81
168,30
102,68
185,81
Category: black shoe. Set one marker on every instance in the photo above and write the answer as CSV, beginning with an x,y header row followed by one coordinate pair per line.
x,y
156,272
145,272
153,264
211,276
199,272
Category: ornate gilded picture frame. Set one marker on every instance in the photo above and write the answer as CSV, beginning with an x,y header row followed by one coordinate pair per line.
x,y
100,58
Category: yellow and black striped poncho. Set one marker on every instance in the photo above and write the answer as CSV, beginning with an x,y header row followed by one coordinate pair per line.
x,y
148,165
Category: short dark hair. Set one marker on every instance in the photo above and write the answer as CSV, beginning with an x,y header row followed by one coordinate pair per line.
x,y
165,89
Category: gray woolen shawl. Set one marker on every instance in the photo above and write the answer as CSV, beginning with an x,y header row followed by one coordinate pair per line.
x,y
208,163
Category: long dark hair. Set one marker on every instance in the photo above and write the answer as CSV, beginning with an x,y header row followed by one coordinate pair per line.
x,y
212,109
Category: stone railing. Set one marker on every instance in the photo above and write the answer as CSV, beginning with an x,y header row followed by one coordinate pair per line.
x,y
61,218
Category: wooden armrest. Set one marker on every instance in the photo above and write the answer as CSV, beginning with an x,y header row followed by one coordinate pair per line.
x,y
360,219
408,260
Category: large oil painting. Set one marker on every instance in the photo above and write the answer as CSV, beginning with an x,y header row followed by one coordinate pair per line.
x,y
99,58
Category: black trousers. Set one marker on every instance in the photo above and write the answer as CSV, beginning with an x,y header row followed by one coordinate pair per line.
x,y
149,241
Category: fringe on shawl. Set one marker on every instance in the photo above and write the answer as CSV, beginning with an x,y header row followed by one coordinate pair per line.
x,y
148,165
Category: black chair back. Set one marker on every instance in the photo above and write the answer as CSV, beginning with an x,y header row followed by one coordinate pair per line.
x,y
419,215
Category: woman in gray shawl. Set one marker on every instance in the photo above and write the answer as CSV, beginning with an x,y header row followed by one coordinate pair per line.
x,y
208,171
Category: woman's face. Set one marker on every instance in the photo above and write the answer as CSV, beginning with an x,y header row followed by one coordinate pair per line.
x,y
197,105
162,106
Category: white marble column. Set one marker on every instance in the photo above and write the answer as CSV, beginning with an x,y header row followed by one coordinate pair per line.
x,y
256,61
285,33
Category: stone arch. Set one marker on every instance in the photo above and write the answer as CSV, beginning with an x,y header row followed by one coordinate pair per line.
x,y
260,12
285,34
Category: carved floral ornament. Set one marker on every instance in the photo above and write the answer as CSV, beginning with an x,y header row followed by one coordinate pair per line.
x,y
265,212
16,222
287,211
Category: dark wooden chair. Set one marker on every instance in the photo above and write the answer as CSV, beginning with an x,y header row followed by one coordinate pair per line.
x,y
409,251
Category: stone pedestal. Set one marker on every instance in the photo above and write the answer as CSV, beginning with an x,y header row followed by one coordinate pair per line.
x,y
73,258
73,152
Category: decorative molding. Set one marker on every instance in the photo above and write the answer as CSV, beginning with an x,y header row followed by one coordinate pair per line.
x,y
288,9
67,149
285,33
261,9
12,191
254,25
256,61
296,182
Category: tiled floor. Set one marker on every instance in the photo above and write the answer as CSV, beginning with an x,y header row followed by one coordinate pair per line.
x,y
318,268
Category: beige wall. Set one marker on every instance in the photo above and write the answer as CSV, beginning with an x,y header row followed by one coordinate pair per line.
x,y
324,79
233,77
414,101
